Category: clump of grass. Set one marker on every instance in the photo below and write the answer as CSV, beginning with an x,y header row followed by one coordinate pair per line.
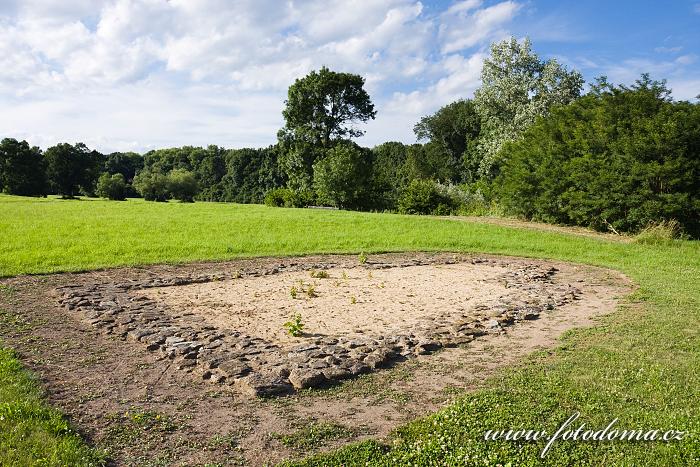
x,y
345,275
295,326
660,233
311,291
293,291
362,257
353,300
314,435
320,274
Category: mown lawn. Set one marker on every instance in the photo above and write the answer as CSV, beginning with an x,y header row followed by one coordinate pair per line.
x,y
640,365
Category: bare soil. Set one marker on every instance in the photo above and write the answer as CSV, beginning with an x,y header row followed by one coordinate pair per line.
x,y
145,411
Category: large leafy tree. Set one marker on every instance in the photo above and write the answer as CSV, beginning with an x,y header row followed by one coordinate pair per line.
x,y
22,170
450,130
619,157
322,109
517,88
71,168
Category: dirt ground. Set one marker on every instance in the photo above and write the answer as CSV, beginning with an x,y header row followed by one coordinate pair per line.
x,y
146,412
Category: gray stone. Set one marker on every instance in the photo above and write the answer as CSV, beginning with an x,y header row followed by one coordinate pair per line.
x,y
304,378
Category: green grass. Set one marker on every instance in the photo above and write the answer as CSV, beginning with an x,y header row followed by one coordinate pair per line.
x,y
31,433
639,365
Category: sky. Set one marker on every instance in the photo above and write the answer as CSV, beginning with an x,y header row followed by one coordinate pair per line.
x,y
135,75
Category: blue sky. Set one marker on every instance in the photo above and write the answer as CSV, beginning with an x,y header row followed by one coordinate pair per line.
x,y
142,74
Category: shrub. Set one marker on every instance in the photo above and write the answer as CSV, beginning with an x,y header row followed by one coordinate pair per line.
x,y
287,198
112,187
182,185
342,177
295,326
425,197
619,158
660,233
152,185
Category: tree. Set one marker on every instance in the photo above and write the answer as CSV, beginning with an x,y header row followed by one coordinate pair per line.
x,y
70,168
450,130
389,174
250,174
182,185
152,185
517,87
111,187
22,170
341,178
125,163
321,110
619,157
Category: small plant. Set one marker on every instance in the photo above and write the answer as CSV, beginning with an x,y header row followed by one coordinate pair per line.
x,y
293,292
294,327
353,300
319,274
660,233
311,291
369,275
362,258
345,275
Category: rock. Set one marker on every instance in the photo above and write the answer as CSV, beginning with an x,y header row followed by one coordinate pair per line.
x,y
234,368
259,385
306,378
335,373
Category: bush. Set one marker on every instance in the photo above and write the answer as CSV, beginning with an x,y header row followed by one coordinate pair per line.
x,y
287,198
152,185
425,197
182,185
619,158
660,233
112,187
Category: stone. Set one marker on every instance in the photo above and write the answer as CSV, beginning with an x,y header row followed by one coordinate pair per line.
x,y
306,378
234,368
263,385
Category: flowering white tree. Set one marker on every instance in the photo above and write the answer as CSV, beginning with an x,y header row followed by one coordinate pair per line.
x,y
517,87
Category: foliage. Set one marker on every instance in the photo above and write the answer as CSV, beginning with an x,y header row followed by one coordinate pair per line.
x,y
128,164
182,185
449,132
620,157
22,170
152,185
249,175
425,197
295,326
72,168
342,177
321,110
111,186
322,106
517,87
390,174
285,197
362,258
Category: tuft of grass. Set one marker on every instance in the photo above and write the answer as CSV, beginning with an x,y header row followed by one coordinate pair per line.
x,y
293,292
320,274
314,435
311,291
660,233
362,257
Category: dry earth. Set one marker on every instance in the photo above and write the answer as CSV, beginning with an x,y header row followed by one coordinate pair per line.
x,y
146,411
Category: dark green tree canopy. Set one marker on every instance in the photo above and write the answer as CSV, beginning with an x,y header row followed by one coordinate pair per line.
x,y
324,106
70,168
22,170
452,127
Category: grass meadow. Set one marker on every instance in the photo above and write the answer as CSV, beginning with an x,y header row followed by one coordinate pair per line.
x,y
639,365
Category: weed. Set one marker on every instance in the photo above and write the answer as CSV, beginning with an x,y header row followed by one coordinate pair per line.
x,y
320,274
295,327
660,233
293,292
311,291
353,300
362,258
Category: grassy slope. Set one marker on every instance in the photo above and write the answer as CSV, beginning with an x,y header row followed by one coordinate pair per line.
x,y
640,365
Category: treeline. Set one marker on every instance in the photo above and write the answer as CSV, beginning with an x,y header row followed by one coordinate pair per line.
x,y
530,143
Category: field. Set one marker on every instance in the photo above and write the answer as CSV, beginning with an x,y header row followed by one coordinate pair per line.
x,y
638,364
